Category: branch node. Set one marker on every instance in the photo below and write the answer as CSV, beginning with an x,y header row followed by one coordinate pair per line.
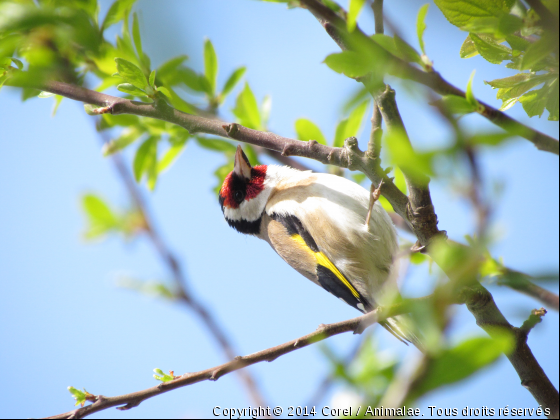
x,y
231,129
530,323
287,150
352,151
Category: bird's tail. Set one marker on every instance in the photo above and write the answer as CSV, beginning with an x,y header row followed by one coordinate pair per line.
x,y
402,327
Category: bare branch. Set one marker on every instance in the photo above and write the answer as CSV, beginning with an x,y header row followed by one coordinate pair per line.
x,y
481,304
184,295
336,28
127,401
520,282
377,7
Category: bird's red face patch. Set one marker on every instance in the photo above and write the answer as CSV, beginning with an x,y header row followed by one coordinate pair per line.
x,y
235,189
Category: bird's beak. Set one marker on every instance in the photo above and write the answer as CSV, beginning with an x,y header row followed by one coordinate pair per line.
x,y
242,167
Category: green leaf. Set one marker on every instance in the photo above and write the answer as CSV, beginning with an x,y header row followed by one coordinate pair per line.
x,y
490,49
340,132
145,160
152,79
171,155
165,91
350,63
552,102
355,120
17,62
534,102
457,104
508,24
161,376
193,80
130,89
131,73
78,395
136,35
210,65
121,142
246,109
117,12
232,80
421,26
463,360
469,95
403,155
168,71
508,103
399,180
307,130
100,216
359,177
354,10
217,145
537,53
406,52
468,49
462,13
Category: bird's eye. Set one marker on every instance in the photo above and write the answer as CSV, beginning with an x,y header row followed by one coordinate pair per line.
x,y
238,196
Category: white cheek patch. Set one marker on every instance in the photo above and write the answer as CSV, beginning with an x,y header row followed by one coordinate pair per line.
x,y
249,210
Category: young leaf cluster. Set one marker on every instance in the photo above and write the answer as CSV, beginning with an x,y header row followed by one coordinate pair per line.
x,y
506,30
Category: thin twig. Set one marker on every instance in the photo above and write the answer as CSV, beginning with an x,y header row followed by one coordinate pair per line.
x,y
127,401
184,294
375,193
336,28
534,319
377,7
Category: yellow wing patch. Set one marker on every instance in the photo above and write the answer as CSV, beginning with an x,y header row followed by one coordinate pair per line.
x,y
323,260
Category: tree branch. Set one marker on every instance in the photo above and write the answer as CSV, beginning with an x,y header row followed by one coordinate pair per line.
x,y
336,28
347,157
520,282
350,157
481,304
184,295
128,401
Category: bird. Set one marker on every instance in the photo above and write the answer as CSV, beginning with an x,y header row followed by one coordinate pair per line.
x,y
316,223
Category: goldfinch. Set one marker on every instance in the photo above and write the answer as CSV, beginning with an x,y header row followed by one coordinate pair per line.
x,y
316,223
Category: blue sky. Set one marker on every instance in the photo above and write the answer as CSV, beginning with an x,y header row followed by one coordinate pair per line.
x,y
64,322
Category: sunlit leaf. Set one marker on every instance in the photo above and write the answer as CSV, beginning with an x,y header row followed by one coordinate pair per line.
x,y
463,13
101,218
246,109
307,130
136,34
117,12
490,49
232,81
354,9
534,102
462,361
421,26
131,89
468,49
131,73
350,63
210,64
